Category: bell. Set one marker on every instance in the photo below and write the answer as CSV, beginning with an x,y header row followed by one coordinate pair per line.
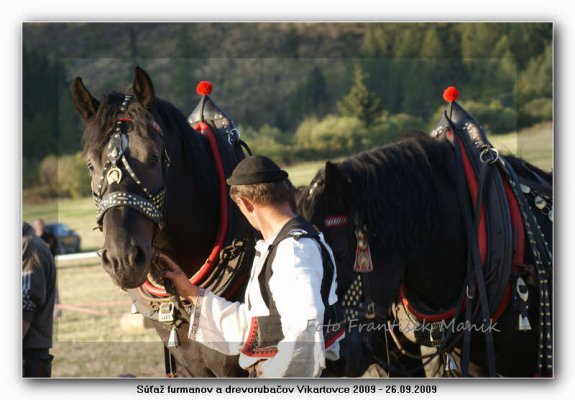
x,y
173,338
450,364
524,324
134,310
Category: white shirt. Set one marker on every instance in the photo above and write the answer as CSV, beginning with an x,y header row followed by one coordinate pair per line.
x,y
296,288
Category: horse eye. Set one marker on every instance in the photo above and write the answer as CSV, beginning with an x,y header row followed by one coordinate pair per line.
x,y
90,167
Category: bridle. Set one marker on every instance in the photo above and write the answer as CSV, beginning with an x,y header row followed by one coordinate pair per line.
x,y
117,167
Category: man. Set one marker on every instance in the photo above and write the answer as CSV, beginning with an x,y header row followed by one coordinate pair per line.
x,y
278,330
50,239
52,242
38,294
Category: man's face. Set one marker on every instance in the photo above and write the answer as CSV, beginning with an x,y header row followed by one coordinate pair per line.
x,y
38,226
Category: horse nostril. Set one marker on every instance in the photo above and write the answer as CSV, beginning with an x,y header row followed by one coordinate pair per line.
x,y
104,255
137,256
109,262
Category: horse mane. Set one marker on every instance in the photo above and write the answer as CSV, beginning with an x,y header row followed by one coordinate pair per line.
x,y
196,153
394,190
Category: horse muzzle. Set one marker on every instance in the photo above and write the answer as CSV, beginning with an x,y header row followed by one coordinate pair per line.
x,y
128,267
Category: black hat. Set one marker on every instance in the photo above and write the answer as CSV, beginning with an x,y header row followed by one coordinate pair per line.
x,y
256,169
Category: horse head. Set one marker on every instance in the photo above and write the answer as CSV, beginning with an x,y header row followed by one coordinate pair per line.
x,y
126,155
334,205
327,204
326,199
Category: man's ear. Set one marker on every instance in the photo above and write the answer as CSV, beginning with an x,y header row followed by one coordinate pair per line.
x,y
246,204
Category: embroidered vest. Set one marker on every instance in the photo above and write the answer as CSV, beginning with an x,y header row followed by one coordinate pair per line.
x,y
266,331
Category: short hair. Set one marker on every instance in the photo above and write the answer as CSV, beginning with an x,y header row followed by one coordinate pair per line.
x,y
264,194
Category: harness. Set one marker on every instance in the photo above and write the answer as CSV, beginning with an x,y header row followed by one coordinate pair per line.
x,y
227,149
266,331
496,220
150,205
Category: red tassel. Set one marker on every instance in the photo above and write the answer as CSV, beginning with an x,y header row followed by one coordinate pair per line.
x,y
204,88
450,94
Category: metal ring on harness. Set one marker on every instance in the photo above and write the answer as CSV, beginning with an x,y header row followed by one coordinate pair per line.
x,y
233,136
491,151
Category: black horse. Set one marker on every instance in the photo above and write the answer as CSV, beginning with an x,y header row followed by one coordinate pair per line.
x,y
168,184
403,198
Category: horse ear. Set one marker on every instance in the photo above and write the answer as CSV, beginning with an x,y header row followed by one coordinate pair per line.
x,y
85,104
143,88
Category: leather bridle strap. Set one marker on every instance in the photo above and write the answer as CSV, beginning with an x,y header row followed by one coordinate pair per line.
x,y
151,205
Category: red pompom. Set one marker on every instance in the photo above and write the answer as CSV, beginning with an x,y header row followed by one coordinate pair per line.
x,y
450,94
204,88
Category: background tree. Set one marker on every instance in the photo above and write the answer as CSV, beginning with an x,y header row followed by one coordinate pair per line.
x,y
360,102
275,79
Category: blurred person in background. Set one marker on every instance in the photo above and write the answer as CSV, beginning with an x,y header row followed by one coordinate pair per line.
x,y
38,297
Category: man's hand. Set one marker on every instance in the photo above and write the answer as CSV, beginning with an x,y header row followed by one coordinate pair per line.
x,y
183,286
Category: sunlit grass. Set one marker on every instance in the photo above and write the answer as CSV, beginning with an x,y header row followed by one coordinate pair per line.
x,y
534,144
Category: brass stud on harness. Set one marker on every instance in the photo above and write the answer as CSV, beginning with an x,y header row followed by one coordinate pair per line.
x,y
540,203
524,188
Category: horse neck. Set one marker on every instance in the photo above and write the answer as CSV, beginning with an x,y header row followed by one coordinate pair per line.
x,y
192,204
435,273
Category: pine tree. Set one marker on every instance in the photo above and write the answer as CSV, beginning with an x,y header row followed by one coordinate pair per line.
x,y
360,102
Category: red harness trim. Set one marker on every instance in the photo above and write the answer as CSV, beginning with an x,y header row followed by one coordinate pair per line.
x,y
213,258
205,130
473,187
518,256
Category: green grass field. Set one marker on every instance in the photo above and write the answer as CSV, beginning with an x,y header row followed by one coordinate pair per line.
x,y
89,338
